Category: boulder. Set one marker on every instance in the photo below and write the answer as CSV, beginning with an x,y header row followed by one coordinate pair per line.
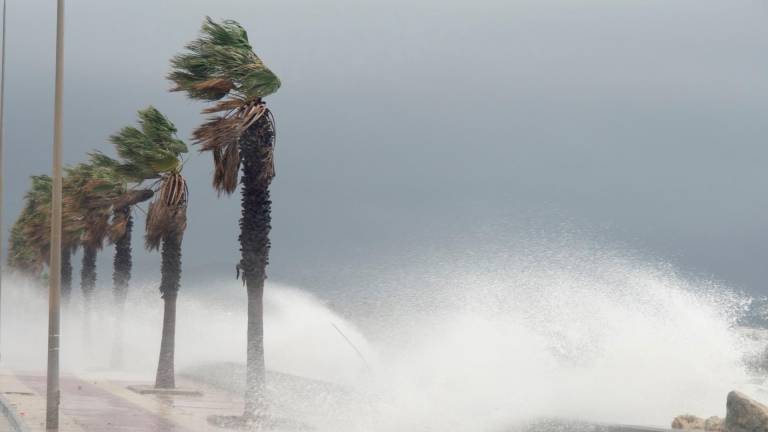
x,y
691,422
745,414
714,424
688,422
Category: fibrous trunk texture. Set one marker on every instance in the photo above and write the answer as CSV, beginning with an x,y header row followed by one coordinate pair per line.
x,y
121,274
255,224
66,273
169,287
88,284
121,277
88,273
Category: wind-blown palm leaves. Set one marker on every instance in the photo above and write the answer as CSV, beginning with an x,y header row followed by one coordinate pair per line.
x,y
88,198
36,216
30,237
29,241
22,258
145,153
163,215
149,150
221,67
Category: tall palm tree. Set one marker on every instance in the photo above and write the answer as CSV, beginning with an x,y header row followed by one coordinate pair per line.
x,y
119,234
220,66
166,222
144,154
127,195
147,152
89,194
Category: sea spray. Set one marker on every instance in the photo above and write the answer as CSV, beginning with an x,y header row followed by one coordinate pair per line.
x,y
463,344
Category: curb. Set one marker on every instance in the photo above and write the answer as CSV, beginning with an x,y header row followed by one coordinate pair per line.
x,y
10,414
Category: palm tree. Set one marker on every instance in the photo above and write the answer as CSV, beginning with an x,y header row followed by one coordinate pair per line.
x,y
166,222
22,258
30,236
121,224
90,191
145,153
27,248
220,66
71,233
31,225
119,234
150,151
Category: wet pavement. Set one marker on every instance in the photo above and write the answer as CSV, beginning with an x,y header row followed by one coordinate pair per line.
x,y
96,409
4,425
91,404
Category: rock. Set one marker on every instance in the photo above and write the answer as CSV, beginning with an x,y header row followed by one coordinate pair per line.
x,y
745,414
714,424
691,422
688,422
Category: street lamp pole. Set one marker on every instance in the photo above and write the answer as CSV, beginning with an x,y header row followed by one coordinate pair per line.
x,y
54,284
2,173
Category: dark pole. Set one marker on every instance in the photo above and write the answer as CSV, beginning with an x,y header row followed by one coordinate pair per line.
x,y
54,285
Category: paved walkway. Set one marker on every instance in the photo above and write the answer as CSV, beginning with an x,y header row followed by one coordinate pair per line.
x,y
4,426
89,405
96,409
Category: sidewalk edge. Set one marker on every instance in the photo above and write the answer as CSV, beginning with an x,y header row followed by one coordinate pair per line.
x,y
10,414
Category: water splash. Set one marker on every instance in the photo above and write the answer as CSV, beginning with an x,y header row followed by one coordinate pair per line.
x,y
467,345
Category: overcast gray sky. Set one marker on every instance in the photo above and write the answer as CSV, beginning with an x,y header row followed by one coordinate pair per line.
x,y
410,126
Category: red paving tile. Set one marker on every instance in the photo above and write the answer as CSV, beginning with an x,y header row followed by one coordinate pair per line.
x,y
96,410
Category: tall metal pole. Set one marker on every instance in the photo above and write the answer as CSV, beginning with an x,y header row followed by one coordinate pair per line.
x,y
2,173
54,286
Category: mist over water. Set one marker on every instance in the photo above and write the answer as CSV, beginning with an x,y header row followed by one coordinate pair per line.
x,y
473,342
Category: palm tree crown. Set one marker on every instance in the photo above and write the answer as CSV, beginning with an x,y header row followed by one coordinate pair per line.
x,y
149,150
89,194
220,65
29,241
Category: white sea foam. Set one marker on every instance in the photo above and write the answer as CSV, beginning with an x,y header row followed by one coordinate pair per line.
x,y
466,345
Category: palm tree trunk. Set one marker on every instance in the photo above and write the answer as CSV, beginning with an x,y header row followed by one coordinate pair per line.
x,y
88,285
121,276
255,224
169,287
66,273
88,272
122,263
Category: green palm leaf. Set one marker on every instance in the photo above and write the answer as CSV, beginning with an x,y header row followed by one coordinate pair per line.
x,y
221,62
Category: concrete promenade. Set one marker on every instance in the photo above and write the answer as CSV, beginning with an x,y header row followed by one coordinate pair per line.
x,y
100,405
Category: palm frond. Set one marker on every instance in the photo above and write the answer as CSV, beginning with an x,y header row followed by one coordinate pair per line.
x,y
90,192
219,62
220,66
167,214
149,150
22,256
